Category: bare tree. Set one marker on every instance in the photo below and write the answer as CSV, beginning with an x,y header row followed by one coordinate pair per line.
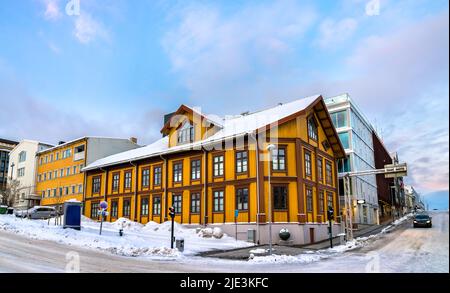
x,y
10,192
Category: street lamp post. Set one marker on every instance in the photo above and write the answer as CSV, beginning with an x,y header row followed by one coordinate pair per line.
x,y
270,147
12,170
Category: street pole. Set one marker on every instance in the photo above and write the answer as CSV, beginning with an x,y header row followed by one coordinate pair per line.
x,y
172,215
348,207
101,221
330,230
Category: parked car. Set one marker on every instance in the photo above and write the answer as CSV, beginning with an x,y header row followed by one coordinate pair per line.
x,y
422,220
21,213
38,212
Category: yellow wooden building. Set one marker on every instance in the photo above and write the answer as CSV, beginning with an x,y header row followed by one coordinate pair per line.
x,y
211,169
59,177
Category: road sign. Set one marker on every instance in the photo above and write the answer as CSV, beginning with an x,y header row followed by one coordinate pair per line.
x,y
104,205
236,213
395,170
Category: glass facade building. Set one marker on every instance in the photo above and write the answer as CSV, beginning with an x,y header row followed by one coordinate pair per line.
x,y
355,133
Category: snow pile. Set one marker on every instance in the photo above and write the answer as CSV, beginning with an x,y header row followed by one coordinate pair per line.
x,y
258,251
287,259
211,232
402,219
150,240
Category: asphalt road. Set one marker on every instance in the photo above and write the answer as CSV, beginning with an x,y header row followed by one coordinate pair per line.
x,y
403,250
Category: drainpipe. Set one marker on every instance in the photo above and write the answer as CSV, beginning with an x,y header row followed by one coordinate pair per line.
x,y
205,186
84,192
166,202
106,183
135,190
257,185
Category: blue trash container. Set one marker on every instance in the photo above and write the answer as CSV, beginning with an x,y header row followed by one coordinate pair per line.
x,y
72,215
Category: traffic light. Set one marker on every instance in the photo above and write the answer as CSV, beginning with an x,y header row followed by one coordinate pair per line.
x,y
172,212
330,213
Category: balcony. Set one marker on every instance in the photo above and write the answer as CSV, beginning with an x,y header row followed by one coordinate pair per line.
x,y
78,156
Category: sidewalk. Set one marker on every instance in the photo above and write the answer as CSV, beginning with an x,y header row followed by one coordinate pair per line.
x,y
243,253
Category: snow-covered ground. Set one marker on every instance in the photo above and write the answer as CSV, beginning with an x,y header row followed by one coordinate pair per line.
x,y
151,240
312,256
404,249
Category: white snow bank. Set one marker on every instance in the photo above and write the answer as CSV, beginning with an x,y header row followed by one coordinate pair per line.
x,y
150,240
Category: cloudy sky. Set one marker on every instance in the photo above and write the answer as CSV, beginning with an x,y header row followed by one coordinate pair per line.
x,y
114,67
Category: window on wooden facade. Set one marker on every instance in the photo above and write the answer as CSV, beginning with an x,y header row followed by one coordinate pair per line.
x,y
329,173
218,201
218,165
66,189
114,209
144,206
195,169
241,162
127,183
330,199
308,167
126,208
156,206
96,185
279,197
320,170
115,182
73,189
145,177
94,210
177,203
178,172
321,201
309,200
185,133
195,203
242,199
279,159
312,128
157,176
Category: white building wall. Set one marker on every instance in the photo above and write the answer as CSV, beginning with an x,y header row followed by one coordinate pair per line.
x,y
99,147
27,179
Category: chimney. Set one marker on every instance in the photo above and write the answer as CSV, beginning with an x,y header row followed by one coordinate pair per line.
x,y
61,142
133,140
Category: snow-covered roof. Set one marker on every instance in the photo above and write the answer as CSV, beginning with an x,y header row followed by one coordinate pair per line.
x,y
232,126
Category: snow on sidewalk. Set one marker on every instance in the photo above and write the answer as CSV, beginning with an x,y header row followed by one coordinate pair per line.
x,y
151,240
313,256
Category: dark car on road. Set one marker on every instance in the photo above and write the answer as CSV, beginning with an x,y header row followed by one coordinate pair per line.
x,y
422,220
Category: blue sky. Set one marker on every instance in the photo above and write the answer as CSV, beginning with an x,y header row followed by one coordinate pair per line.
x,y
118,66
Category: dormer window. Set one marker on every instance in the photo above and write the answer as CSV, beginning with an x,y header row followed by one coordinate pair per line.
x,y
312,128
186,133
